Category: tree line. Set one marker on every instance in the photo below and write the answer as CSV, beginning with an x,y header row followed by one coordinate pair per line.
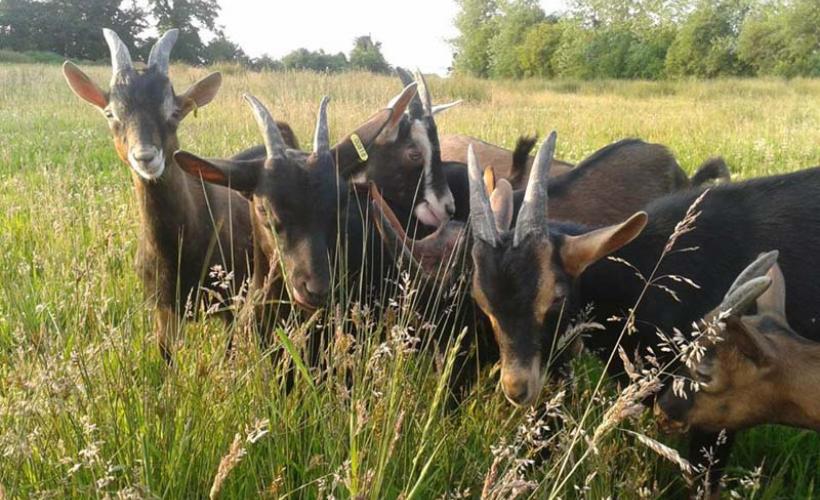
x,y
71,29
638,39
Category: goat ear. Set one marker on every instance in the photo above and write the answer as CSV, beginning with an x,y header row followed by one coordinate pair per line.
x,y
489,179
397,106
578,252
82,85
200,93
240,175
773,300
501,201
747,340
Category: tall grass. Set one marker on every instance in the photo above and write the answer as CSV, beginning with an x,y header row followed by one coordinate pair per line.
x,y
89,409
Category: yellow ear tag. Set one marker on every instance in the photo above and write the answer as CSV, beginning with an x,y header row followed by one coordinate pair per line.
x,y
360,150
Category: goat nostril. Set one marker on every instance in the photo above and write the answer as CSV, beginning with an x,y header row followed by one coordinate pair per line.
x,y
144,155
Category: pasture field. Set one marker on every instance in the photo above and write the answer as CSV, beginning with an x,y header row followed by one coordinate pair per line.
x,y
88,408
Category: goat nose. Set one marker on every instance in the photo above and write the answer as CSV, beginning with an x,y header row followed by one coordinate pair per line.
x,y
517,391
315,290
144,154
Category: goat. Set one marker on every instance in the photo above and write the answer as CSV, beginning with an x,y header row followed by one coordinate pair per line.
x,y
530,278
609,185
511,165
755,368
299,203
406,163
186,228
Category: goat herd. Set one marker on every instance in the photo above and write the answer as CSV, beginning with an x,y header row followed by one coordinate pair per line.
x,y
625,230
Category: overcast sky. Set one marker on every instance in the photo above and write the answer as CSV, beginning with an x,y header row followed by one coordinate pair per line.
x,y
413,33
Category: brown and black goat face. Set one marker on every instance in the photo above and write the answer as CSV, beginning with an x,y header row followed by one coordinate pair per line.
x,y
405,161
732,385
141,107
295,199
522,276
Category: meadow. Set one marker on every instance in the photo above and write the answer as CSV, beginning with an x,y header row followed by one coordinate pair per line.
x,y
88,408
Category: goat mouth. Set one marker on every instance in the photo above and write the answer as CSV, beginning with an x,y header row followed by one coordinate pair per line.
x,y
668,425
426,215
150,170
304,303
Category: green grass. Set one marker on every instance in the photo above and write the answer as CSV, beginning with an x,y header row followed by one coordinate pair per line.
x,y
89,409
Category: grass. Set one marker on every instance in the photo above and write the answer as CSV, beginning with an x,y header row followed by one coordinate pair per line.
x,y
89,409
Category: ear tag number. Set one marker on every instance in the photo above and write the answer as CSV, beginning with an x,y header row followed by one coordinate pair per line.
x,y
360,150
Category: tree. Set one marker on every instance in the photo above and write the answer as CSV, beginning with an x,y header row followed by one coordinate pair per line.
x,y
782,39
191,17
303,58
68,27
517,17
221,49
475,22
367,56
706,45
536,52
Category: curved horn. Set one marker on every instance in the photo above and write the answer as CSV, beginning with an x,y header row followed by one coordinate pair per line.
x,y
742,297
321,138
120,57
756,269
160,55
444,107
532,217
482,220
424,94
274,144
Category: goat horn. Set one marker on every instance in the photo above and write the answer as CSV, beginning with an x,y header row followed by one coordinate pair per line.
x,y
756,269
482,220
444,107
532,217
742,297
120,57
321,138
160,55
416,109
424,94
274,144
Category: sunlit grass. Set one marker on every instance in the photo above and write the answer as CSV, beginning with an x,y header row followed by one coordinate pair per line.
x,y
88,408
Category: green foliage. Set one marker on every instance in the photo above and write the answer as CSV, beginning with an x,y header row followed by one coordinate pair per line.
x,y
476,22
517,16
782,39
706,45
67,27
315,61
639,39
367,56
538,48
221,49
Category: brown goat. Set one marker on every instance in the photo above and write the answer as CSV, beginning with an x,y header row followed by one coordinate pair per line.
x,y
505,163
187,227
755,369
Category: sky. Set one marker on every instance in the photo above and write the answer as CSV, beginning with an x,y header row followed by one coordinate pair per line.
x,y
413,33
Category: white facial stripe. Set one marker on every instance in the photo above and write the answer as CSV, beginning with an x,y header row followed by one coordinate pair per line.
x,y
438,206
168,105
